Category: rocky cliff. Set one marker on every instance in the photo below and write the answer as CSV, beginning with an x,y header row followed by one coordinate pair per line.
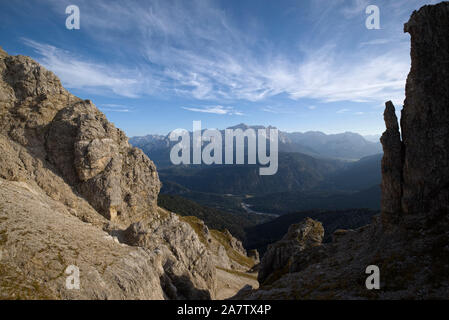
x,y
409,241
280,256
74,192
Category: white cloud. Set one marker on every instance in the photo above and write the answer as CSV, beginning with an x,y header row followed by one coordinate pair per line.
x,y
343,110
114,108
276,110
79,74
270,110
221,62
358,78
220,110
375,42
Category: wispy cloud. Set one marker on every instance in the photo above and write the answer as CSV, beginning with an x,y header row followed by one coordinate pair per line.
x,y
81,74
343,110
223,62
115,108
220,110
276,110
327,77
375,42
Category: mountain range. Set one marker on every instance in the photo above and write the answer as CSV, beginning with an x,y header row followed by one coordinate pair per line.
x,y
309,180
344,146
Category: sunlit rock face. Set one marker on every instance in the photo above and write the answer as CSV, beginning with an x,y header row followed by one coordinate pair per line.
x,y
74,192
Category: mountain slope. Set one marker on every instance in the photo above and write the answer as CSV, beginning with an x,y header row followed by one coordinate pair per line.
x,y
75,193
357,175
287,202
213,218
296,172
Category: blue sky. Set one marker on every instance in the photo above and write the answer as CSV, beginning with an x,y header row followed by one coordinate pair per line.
x,y
154,66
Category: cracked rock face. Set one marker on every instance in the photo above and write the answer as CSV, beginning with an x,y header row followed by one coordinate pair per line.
x,y
306,234
97,159
40,239
86,150
69,180
425,117
415,169
409,242
189,271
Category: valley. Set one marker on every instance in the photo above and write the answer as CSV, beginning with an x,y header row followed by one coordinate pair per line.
x,y
341,193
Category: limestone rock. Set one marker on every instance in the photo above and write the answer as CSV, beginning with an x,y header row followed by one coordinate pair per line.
x,y
85,149
226,252
425,117
254,254
40,239
2,53
392,163
234,243
74,191
416,169
278,258
189,270
97,159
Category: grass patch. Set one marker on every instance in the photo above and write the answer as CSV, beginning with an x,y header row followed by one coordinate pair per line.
x,y
197,226
232,254
16,286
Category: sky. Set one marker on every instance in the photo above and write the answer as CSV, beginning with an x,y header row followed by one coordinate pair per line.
x,y
154,66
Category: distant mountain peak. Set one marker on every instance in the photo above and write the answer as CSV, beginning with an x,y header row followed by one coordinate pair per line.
x,y
244,126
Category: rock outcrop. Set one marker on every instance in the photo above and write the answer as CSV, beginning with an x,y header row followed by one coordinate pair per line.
x,y
74,192
76,141
119,181
425,117
254,254
279,256
409,241
189,269
416,168
40,239
392,162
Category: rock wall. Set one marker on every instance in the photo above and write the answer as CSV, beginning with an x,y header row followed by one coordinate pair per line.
x,y
119,181
40,239
189,269
63,165
409,242
280,256
425,117
415,170
82,147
